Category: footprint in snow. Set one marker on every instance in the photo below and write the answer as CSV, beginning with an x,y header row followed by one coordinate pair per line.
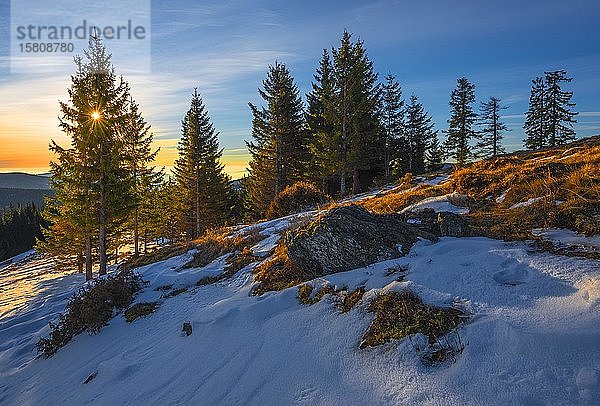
x,y
307,395
512,277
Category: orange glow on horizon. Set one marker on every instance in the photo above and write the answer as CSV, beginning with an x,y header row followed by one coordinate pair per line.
x,y
21,153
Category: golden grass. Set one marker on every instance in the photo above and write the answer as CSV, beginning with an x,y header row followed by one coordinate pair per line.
x,y
400,314
215,243
566,181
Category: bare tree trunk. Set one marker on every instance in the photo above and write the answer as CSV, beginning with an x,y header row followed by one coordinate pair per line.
x,y
198,213
136,236
278,161
88,258
103,258
80,262
343,183
495,128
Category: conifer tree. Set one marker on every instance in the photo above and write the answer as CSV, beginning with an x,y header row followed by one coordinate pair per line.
x,y
137,158
166,211
279,147
392,115
354,112
419,133
92,186
434,154
559,115
319,124
536,125
202,185
492,128
460,125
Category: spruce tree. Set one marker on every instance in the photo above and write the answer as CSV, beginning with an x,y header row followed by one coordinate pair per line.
x,y
358,138
279,147
137,157
419,133
392,121
319,124
492,128
536,125
558,109
434,154
460,125
202,185
92,186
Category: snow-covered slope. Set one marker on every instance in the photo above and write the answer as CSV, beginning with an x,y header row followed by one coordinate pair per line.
x,y
533,338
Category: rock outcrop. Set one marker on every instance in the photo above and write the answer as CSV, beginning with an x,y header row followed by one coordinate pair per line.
x,y
452,225
442,224
351,237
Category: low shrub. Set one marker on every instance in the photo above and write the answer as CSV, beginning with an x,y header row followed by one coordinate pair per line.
x,y
217,243
140,310
350,299
305,294
345,300
157,255
91,308
295,198
400,314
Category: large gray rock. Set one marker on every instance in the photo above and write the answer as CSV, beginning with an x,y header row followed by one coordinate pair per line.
x,y
350,237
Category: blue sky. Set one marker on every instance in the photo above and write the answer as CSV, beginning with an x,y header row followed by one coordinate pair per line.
x,y
223,48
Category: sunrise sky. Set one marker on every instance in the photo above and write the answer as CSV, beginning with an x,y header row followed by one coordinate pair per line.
x,y
223,49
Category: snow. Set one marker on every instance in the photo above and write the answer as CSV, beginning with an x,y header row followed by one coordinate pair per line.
x,y
526,203
265,247
564,237
533,336
436,180
440,203
502,197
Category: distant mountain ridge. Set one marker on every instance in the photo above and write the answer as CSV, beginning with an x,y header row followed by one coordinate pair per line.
x,y
20,180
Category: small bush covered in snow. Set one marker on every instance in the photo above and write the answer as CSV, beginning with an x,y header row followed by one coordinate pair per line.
x,y
91,308
295,198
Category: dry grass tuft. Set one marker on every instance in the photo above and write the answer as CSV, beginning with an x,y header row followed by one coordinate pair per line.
x,y
396,201
140,310
216,243
346,300
278,272
350,299
400,314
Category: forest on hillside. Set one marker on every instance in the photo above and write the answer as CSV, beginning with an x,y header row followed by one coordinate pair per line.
x,y
353,131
